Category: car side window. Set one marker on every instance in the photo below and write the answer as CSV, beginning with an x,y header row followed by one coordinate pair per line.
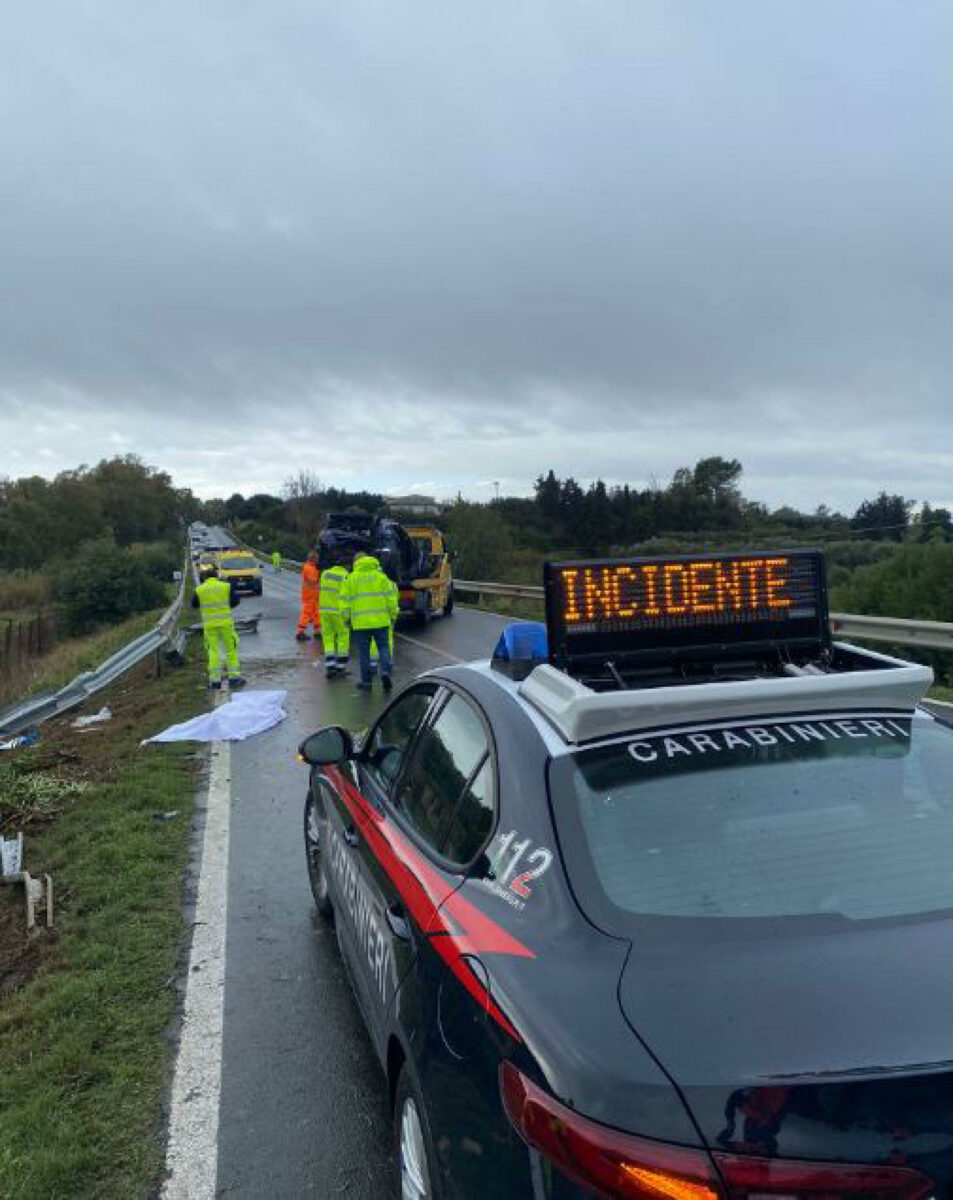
x,y
473,819
390,739
446,757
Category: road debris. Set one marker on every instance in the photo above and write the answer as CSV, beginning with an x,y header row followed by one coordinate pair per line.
x,y
38,893
247,624
30,738
104,714
11,854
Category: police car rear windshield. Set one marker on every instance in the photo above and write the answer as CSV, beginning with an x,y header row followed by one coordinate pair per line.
x,y
843,815
239,563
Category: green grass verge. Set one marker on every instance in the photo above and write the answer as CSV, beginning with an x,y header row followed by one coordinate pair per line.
x,y
83,1051
517,607
941,693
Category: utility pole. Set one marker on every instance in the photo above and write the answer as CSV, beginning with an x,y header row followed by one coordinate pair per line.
x,y
496,487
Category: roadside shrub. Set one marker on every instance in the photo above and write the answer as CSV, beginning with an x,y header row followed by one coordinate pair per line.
x,y
265,539
161,560
914,581
482,540
857,553
102,584
23,589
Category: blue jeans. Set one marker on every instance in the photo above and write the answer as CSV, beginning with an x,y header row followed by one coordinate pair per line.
x,y
363,637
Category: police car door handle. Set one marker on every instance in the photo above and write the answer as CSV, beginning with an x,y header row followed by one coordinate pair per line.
x,y
351,836
397,920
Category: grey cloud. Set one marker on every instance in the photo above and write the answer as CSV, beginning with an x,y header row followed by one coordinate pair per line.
x,y
530,219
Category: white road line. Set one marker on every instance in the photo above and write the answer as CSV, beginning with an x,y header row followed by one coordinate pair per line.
x,y
432,649
192,1155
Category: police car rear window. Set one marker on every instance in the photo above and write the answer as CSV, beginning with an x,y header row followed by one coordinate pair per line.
x,y
840,814
239,564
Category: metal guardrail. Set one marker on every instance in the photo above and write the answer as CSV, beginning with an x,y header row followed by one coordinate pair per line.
x,y
20,716
935,635
526,591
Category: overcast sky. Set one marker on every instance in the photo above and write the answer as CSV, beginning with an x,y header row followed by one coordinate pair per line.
x,y
412,244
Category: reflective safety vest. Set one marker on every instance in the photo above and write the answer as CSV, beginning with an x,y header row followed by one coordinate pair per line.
x,y
368,596
215,596
331,582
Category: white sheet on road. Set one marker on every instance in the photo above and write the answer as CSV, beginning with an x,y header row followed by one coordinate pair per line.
x,y
245,714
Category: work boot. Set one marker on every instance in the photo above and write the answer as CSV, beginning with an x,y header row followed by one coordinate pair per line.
x,y
237,683
215,685
301,636
387,682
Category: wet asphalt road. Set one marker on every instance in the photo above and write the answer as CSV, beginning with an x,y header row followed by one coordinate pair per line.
x,y
304,1108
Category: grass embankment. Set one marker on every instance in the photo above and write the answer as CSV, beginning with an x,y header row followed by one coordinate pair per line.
x,y
517,607
84,1009
67,659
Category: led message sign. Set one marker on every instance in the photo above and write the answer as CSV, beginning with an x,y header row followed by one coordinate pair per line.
x,y
640,605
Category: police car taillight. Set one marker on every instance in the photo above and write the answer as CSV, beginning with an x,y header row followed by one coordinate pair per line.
x,y
620,1166
609,1162
751,1178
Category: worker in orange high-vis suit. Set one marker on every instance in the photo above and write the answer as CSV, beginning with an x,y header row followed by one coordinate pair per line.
x,y
310,598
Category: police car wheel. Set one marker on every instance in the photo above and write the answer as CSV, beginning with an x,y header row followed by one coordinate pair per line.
x,y
448,607
413,1144
317,873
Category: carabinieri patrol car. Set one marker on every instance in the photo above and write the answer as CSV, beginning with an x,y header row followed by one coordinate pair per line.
x,y
656,903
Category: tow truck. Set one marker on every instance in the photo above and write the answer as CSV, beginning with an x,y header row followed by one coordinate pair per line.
x,y
414,556
430,592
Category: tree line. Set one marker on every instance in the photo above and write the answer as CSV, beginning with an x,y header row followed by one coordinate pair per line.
x,y
125,504
562,513
98,544
704,499
120,499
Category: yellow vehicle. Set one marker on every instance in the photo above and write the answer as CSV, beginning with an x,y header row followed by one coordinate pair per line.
x,y
205,561
241,568
430,591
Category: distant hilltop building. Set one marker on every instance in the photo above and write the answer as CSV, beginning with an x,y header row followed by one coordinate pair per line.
x,y
416,506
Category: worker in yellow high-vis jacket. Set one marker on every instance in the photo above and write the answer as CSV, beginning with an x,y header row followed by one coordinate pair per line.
x,y
334,630
369,605
215,598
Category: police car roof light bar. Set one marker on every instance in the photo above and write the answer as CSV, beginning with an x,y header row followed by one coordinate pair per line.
x,y
868,681
521,648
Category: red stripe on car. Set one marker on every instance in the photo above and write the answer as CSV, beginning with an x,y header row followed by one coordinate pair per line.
x,y
454,925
